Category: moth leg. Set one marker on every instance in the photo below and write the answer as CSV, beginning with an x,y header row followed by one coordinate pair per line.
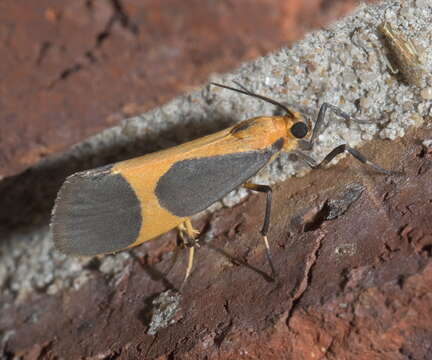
x,y
188,236
266,225
320,121
191,232
344,148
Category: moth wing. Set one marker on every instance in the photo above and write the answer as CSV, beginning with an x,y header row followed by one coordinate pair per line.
x,y
192,185
96,212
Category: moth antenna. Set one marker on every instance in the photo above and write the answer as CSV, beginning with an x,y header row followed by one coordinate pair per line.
x,y
245,91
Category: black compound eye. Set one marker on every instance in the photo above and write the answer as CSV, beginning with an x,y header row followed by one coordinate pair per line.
x,y
299,130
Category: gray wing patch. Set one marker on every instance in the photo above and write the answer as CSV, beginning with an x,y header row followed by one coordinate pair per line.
x,y
192,185
96,212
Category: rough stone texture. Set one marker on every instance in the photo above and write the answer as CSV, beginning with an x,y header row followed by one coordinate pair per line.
x,y
72,68
353,287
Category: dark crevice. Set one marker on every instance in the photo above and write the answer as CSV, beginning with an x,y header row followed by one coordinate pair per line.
x,y
427,250
226,307
318,219
90,56
400,281
89,5
222,334
114,355
65,74
8,355
101,37
45,350
121,15
44,48
345,275
422,153
93,265
326,5
69,71
105,33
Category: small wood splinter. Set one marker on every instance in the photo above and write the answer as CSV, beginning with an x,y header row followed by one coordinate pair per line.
x,y
403,56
